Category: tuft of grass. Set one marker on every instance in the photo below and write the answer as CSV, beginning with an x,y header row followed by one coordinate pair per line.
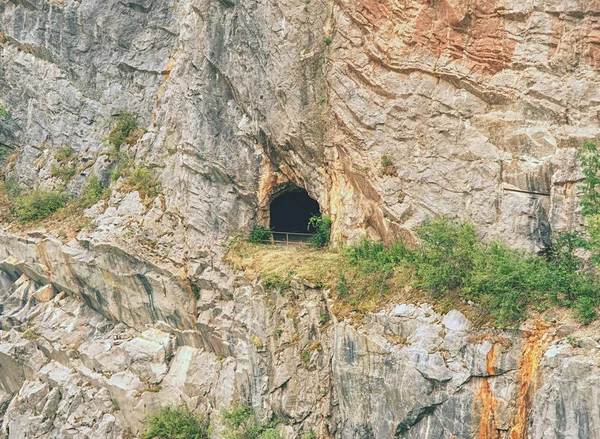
x,y
241,422
387,166
65,167
124,127
176,423
64,172
143,181
64,154
327,40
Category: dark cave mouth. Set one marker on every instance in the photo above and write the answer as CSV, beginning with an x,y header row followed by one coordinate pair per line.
x,y
292,210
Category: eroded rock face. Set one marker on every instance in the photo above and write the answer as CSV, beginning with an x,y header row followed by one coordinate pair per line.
x,y
408,372
385,112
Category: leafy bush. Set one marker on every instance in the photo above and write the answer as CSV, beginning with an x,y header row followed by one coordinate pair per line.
x,y
260,234
64,154
240,423
451,262
321,225
4,112
11,186
143,181
589,159
445,258
37,205
94,190
176,423
124,127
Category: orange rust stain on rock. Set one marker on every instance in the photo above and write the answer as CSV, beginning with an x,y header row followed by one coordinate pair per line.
x,y
167,73
486,400
472,33
536,343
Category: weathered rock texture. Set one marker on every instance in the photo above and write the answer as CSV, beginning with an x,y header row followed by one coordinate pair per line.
x,y
386,111
239,100
406,372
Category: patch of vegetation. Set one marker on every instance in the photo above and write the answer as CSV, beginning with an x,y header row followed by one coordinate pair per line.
x,y
327,40
589,159
451,262
143,181
66,164
37,205
64,154
387,166
321,226
176,423
260,234
4,114
64,172
241,422
93,192
124,127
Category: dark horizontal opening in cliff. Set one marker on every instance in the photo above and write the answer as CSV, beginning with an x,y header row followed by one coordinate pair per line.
x,y
291,211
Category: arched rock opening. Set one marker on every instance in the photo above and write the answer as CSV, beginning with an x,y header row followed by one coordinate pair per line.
x,y
291,211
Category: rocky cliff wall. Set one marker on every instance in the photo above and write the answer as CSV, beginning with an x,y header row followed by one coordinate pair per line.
x,y
461,102
385,111
72,370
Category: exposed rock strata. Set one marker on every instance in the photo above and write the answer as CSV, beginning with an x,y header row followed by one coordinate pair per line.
x,y
238,100
406,372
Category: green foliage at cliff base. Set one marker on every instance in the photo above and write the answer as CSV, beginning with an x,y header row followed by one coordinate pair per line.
x,y
176,423
449,266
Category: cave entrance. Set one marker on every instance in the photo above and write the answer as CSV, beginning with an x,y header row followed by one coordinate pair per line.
x,y
290,213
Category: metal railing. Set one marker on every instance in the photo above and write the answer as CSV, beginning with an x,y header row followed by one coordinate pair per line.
x,y
288,238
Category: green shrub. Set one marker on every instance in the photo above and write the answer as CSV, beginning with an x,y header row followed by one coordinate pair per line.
x,y
445,257
123,164
589,158
94,191
260,234
176,423
65,171
327,40
4,112
124,127
64,154
143,181
321,225
37,205
11,186
585,309
240,423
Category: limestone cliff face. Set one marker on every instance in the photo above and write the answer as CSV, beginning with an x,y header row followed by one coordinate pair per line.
x,y
238,99
386,111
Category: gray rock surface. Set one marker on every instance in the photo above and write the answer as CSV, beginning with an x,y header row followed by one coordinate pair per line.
x,y
385,112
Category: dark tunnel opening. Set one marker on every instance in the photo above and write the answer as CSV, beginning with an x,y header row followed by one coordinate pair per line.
x,y
291,211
